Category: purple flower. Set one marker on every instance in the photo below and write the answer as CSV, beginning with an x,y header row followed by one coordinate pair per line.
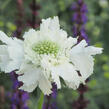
x,y
84,8
80,19
19,97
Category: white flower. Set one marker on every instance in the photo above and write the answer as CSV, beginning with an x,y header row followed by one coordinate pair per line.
x,y
46,55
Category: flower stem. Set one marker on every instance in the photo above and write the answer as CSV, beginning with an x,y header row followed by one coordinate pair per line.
x,y
2,97
40,102
34,22
19,21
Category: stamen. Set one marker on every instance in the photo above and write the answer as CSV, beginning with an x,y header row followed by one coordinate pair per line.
x,y
46,47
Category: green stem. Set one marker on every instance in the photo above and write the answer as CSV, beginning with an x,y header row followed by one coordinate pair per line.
x,y
40,102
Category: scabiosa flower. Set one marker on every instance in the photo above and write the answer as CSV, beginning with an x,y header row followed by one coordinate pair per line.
x,y
46,55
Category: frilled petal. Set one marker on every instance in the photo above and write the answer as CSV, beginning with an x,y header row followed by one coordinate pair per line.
x,y
32,76
47,66
28,88
50,24
62,69
4,57
81,57
56,79
30,33
45,85
68,73
11,66
15,52
9,40
5,39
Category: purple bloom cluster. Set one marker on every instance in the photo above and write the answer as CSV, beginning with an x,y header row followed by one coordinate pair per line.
x,y
19,97
50,101
79,19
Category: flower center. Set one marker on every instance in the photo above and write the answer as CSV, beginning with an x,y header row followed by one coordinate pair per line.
x,y
46,47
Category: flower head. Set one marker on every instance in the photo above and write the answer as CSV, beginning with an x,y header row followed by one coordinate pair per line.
x,y
46,55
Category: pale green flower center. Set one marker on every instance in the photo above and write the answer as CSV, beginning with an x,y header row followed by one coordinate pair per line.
x,y
46,47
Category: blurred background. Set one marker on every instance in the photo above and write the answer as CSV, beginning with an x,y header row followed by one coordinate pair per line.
x,y
13,14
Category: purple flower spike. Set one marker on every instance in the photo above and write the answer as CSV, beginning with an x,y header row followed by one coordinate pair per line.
x,y
80,19
19,98
84,8
80,2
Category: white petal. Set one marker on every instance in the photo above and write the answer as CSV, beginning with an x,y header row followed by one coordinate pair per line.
x,y
9,40
30,76
5,39
82,59
73,85
7,64
11,66
33,76
50,24
4,57
29,88
45,85
29,33
47,68
56,79
14,48
71,42
93,50
16,53
30,73
68,73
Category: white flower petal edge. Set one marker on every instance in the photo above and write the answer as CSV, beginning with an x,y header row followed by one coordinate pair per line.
x,y
11,53
81,57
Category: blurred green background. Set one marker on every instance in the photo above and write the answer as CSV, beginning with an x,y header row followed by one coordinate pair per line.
x,y
98,33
